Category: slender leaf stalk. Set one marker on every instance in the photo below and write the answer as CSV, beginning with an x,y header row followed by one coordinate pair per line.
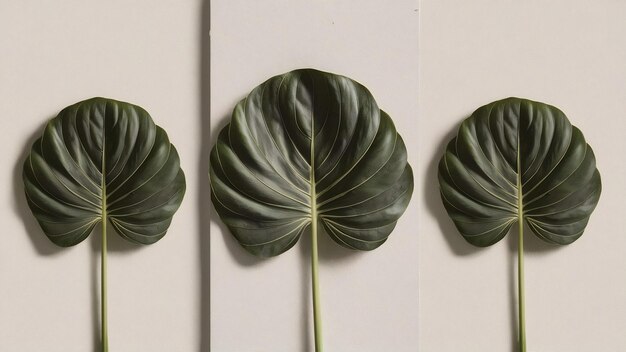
x,y
103,285
317,316
520,287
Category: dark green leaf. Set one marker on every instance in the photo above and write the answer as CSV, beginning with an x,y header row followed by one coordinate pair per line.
x,y
63,174
309,146
515,142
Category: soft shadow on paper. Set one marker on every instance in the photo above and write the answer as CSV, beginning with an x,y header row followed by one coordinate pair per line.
x,y
203,204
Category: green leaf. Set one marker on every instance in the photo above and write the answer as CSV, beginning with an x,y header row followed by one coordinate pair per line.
x,y
515,159
309,146
64,178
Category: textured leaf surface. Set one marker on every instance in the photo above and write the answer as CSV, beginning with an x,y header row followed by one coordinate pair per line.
x,y
64,182
519,148
302,129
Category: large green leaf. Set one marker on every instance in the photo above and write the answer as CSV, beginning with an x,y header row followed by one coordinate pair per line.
x,y
309,146
515,159
102,154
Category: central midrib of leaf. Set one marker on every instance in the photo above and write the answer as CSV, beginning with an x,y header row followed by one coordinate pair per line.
x,y
312,180
520,206
313,191
103,184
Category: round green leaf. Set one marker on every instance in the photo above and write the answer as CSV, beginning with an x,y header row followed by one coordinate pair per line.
x,y
64,178
309,146
516,154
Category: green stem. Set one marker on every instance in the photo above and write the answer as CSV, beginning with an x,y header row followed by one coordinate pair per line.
x,y
317,316
520,287
103,286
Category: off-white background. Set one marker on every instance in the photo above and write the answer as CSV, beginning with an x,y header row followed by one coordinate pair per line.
x,y
156,54
571,54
